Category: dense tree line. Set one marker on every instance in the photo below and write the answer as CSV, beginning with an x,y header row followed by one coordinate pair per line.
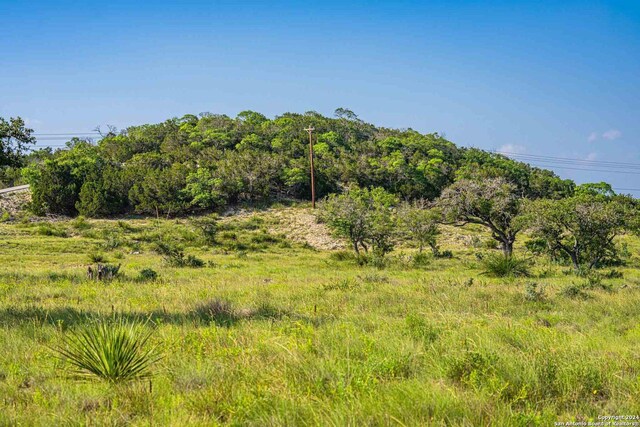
x,y
208,161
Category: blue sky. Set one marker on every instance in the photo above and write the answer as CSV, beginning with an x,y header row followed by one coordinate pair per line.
x,y
542,78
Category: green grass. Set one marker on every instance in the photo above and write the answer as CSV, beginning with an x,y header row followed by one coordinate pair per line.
x,y
293,336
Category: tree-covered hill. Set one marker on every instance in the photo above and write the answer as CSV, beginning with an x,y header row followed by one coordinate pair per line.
x,y
205,162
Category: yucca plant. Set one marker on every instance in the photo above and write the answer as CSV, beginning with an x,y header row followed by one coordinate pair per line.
x,y
116,351
505,266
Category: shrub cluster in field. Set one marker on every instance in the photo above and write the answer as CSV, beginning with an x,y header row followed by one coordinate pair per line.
x,y
580,229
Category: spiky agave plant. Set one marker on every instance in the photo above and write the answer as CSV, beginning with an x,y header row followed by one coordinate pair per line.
x,y
116,350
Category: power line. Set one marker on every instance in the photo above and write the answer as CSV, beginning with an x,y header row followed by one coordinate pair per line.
x,y
626,189
66,133
636,172
567,160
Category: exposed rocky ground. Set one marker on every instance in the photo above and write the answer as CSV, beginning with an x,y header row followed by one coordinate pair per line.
x,y
297,224
13,203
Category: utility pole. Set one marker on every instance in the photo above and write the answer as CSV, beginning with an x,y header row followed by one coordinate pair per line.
x,y
313,184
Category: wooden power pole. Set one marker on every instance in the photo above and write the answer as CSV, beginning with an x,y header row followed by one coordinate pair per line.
x,y
313,184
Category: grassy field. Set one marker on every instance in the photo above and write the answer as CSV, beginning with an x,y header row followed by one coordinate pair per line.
x,y
274,332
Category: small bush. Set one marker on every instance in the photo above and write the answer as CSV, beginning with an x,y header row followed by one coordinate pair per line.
x,y
111,242
374,278
420,330
147,275
613,274
378,261
574,291
5,216
208,227
97,258
114,351
175,257
104,272
470,367
420,259
342,256
341,285
534,293
504,266
50,230
193,261
594,281
125,226
444,254
218,311
80,223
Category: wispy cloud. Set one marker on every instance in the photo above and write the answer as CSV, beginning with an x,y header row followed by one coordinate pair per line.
x,y
591,156
32,122
593,136
612,134
512,149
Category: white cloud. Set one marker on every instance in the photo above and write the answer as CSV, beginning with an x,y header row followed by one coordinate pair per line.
x,y
592,136
612,134
512,149
591,156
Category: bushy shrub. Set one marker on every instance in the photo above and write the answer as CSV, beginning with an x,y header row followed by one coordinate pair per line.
x,y
51,230
364,216
208,228
175,257
420,259
147,275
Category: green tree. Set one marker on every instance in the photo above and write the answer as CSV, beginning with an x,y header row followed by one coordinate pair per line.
x,y
420,224
583,227
15,138
161,191
493,203
363,216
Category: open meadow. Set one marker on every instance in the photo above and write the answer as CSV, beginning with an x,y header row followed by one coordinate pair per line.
x,y
261,328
